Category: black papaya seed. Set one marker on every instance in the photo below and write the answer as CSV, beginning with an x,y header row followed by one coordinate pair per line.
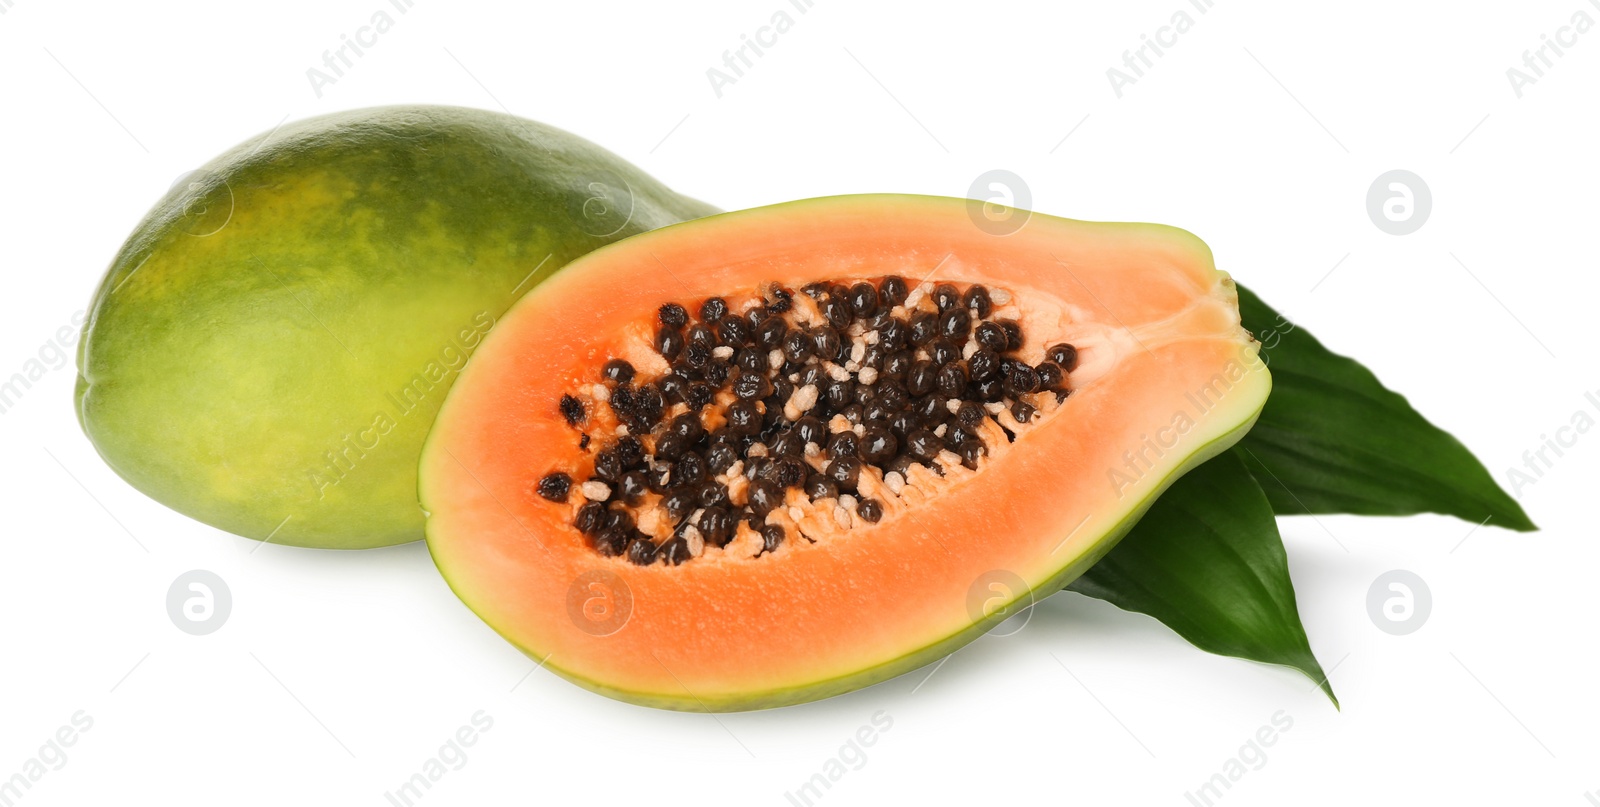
x,y
844,472
669,342
763,496
1050,375
617,370
983,364
641,552
923,444
955,324
1064,355
633,486
943,351
878,445
843,444
716,526
555,487
1013,333
820,487
977,301
572,410
924,328
673,315
769,336
892,291
952,380
1022,411
991,336
771,538
713,309
1022,380
863,300
675,551
591,518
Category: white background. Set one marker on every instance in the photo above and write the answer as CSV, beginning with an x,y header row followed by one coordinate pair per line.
x,y
338,675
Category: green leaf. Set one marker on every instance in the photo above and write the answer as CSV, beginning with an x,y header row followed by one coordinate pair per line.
x,y
1207,561
1333,439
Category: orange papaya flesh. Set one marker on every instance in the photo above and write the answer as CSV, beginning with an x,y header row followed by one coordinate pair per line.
x,y
803,592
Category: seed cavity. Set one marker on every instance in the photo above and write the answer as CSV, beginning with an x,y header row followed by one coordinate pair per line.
x,y
784,415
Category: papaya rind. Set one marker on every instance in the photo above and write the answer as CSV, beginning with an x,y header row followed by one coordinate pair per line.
x,y
271,306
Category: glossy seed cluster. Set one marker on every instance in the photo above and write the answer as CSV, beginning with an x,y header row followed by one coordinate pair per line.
x,y
761,406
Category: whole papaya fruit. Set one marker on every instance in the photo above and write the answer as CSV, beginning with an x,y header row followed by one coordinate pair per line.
x,y
268,349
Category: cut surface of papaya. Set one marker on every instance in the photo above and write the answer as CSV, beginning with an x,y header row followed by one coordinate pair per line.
x,y
775,455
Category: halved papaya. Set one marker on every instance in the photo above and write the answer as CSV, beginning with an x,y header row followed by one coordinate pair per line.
x,y
775,455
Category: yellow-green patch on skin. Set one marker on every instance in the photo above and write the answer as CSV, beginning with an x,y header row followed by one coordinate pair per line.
x,y
268,350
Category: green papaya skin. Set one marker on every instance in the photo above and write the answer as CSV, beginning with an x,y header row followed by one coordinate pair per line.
x,y
268,349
